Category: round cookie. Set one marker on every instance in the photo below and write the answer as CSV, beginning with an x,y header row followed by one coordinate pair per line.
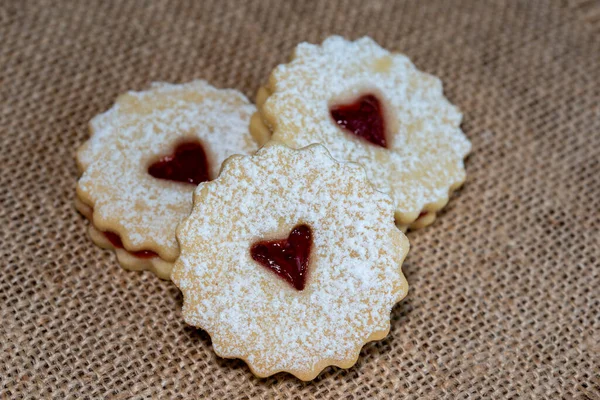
x,y
372,107
290,261
144,159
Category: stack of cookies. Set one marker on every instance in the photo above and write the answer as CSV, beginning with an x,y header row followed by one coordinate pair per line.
x,y
281,223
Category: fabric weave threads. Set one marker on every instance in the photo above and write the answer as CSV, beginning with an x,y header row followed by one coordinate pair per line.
x,y
504,292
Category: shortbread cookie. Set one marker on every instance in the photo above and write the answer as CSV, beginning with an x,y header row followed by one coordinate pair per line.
x,y
144,159
372,107
290,261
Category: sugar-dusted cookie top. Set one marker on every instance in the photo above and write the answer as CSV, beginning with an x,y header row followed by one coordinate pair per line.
x,y
290,261
149,151
372,107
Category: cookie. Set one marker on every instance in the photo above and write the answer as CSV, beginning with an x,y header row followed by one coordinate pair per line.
x,y
372,107
291,261
144,159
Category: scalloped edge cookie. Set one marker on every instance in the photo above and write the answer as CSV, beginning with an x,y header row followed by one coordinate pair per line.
x,y
116,191
294,107
354,277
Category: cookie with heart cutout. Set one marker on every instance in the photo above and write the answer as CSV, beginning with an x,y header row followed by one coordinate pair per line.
x,y
144,159
373,107
291,261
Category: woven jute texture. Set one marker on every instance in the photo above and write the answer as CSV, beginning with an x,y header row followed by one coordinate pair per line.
x,y
504,295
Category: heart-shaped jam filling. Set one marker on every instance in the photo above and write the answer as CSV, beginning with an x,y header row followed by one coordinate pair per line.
x,y
187,164
288,258
115,240
363,118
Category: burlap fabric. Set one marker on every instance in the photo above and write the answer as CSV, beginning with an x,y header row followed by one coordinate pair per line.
x,y
504,299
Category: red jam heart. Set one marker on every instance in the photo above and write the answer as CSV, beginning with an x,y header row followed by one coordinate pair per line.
x,y
188,164
288,258
115,240
363,118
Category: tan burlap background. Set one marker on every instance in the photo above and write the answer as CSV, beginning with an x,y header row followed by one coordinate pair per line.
x,y
504,299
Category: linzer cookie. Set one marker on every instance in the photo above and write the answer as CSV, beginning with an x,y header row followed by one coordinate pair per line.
x,y
372,107
290,261
144,159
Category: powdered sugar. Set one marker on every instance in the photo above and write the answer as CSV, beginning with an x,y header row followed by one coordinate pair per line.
x,y
354,273
427,147
138,130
